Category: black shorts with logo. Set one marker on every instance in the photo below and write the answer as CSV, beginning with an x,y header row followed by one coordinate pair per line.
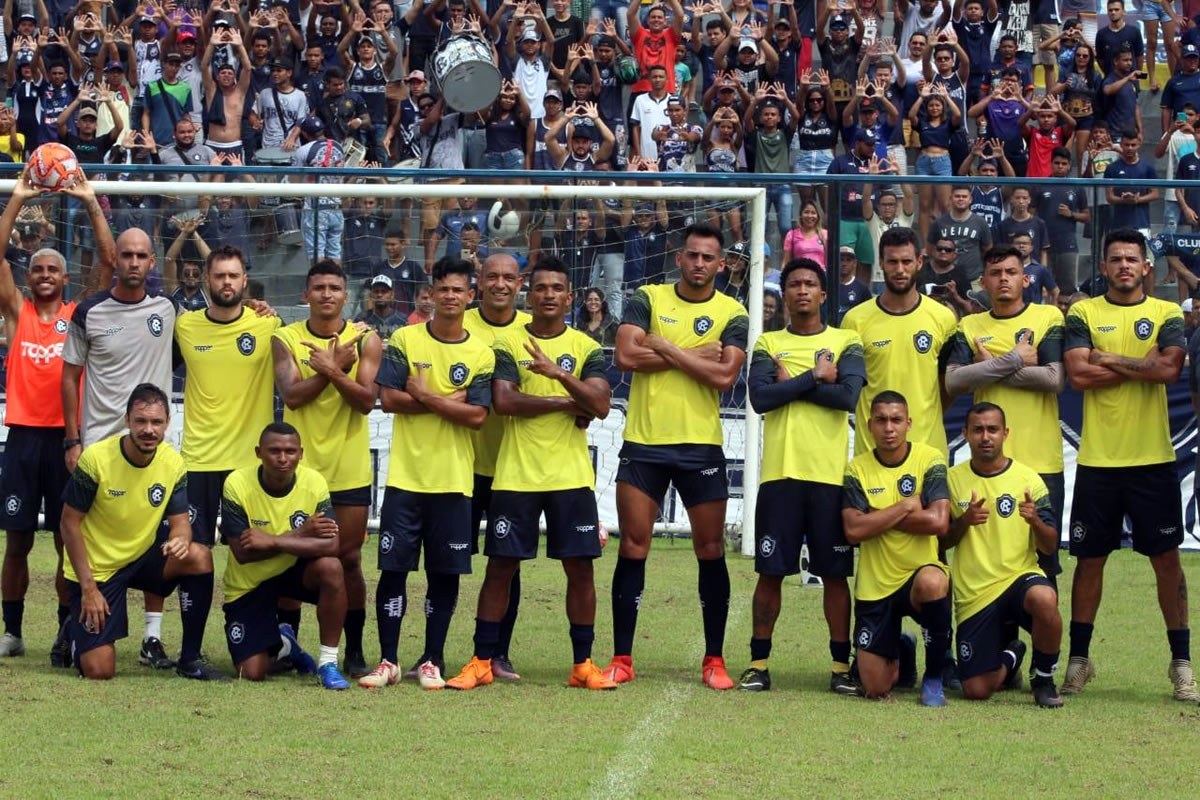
x,y
697,470
441,523
981,636
204,502
481,500
790,512
358,496
1148,494
144,573
35,474
571,524
877,622
1056,486
250,623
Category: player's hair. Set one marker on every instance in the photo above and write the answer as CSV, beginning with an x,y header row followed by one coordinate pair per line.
x,y
1125,236
225,253
898,237
1001,252
50,251
279,429
446,266
983,408
324,267
1060,152
335,73
888,397
148,394
549,264
802,263
704,231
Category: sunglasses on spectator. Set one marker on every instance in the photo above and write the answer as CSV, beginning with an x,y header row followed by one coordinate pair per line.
x,y
943,249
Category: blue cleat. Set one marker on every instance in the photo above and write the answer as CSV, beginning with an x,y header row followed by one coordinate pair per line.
x,y
301,660
331,678
931,693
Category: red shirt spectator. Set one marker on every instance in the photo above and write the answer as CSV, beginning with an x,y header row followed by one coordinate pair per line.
x,y
655,43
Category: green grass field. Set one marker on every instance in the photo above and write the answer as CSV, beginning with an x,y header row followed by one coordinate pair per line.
x,y
150,734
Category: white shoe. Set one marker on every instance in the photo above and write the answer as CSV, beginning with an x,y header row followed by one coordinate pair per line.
x,y
1079,672
14,646
429,676
386,674
1180,673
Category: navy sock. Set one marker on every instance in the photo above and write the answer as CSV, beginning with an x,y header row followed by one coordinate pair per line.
x,y
510,616
440,599
288,616
760,649
1081,638
14,613
839,651
195,599
1044,664
713,582
935,618
486,635
629,579
1009,659
356,619
1180,641
391,601
63,613
582,637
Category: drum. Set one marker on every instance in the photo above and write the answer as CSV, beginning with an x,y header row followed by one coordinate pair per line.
x,y
465,73
287,224
285,210
408,163
272,157
356,152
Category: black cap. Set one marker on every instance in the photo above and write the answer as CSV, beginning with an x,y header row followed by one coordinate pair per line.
x,y
278,64
173,57
312,126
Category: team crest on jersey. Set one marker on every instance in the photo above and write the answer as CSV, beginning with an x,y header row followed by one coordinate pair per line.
x,y
766,547
155,323
566,363
702,325
1143,328
156,494
906,485
1025,332
824,353
502,527
245,344
297,519
459,373
964,651
60,326
385,543
1078,532
12,505
923,341
237,632
1006,504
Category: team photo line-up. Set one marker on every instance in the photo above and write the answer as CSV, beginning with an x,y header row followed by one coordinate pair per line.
x,y
490,408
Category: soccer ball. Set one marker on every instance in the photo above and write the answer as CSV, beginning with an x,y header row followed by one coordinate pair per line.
x,y
501,224
54,166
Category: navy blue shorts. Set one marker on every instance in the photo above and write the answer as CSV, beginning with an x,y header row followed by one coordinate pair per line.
x,y
204,503
571,524
441,523
481,500
697,471
35,474
790,512
1149,494
358,496
981,636
250,624
877,622
145,573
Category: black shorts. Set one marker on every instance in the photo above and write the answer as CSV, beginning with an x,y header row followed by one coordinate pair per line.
x,y
204,502
571,524
1149,494
359,496
439,522
877,622
1055,485
250,624
481,500
791,512
981,637
698,471
35,474
145,573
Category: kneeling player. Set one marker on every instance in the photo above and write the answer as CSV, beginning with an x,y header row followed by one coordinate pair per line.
x,y
806,380
996,577
277,519
118,494
543,388
895,505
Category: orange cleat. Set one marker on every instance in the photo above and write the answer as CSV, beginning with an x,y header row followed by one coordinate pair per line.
x,y
477,672
620,669
713,673
588,676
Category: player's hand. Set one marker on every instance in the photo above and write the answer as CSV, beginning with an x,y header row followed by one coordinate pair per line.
x,y
176,547
981,351
541,363
824,370
25,189
323,360
1025,347
709,352
80,189
1190,217
256,541
416,386
781,372
976,513
94,610
71,456
1064,210
319,526
1027,508
261,308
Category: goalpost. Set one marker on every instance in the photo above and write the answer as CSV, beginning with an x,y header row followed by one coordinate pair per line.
x,y
685,203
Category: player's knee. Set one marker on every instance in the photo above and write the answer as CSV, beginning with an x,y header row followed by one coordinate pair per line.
x,y
18,544
1042,602
350,559
1167,561
99,664
577,569
709,551
199,560
932,584
977,688
330,573
252,670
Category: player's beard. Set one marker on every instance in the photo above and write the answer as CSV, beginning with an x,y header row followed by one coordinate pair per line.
x,y
898,288
232,302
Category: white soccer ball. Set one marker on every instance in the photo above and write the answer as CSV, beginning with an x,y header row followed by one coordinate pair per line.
x,y
502,224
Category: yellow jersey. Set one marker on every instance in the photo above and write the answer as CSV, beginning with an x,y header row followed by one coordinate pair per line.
x,y
487,438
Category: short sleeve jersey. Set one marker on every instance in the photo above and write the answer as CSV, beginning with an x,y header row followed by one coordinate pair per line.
x,y
246,503
886,561
824,432
122,504
547,452
336,440
671,407
1035,438
904,353
1125,425
487,438
429,453
992,555
229,377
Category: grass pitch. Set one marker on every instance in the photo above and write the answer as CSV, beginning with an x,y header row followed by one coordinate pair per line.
x,y
149,734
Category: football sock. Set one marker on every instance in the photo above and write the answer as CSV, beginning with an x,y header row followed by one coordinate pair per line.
x,y
14,612
760,651
486,635
1044,664
327,655
1009,659
153,626
1081,638
440,599
510,616
289,616
935,617
356,618
840,653
713,582
63,613
629,579
1180,641
391,601
195,599
582,637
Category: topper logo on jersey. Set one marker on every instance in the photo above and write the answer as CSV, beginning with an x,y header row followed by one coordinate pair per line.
x,y
156,494
237,632
906,485
297,519
1024,332
245,344
40,353
566,363
923,341
12,505
1006,504
766,547
155,323
702,325
502,527
1143,328
60,326
459,373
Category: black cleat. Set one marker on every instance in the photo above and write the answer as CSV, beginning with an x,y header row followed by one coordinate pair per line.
x,y
842,683
1045,693
908,662
950,681
60,651
198,669
1012,681
356,665
755,680
154,654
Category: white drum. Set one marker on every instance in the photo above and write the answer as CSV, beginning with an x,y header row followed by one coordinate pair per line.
x,y
272,157
287,223
465,73
408,163
356,152
285,210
